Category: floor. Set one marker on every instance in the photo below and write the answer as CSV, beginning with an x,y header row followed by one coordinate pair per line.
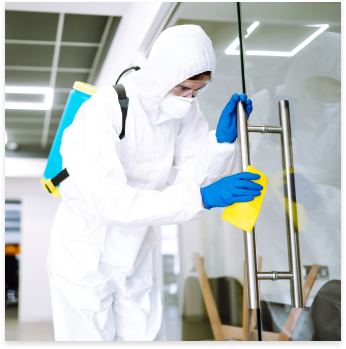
x,y
43,331
29,331
172,323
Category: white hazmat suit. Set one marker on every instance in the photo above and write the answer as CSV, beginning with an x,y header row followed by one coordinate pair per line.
x,y
101,257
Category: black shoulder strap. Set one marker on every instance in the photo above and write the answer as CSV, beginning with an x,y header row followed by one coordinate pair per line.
x,y
60,177
124,103
54,182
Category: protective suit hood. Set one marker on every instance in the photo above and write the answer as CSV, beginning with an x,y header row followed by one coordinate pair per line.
x,y
179,53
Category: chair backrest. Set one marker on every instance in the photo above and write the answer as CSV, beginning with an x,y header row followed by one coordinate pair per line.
x,y
228,295
326,312
323,319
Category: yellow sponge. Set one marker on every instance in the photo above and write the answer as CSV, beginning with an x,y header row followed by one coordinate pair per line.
x,y
244,214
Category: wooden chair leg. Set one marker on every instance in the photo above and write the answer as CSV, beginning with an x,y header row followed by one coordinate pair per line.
x,y
209,300
293,317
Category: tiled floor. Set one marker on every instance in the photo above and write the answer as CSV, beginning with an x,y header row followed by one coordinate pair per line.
x,y
17,331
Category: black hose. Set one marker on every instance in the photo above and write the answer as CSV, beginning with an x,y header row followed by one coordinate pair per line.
x,y
242,67
241,48
259,325
126,70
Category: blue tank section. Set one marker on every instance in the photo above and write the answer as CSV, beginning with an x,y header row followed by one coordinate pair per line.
x,y
75,100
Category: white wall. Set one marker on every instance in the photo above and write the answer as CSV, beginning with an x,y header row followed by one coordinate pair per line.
x,y
25,167
140,22
38,210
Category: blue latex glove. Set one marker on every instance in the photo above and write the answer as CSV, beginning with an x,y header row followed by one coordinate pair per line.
x,y
302,191
228,190
226,131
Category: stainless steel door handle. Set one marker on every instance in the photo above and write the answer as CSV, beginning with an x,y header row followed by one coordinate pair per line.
x,y
249,237
294,273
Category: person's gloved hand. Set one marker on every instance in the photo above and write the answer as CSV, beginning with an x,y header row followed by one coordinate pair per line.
x,y
226,131
302,191
228,190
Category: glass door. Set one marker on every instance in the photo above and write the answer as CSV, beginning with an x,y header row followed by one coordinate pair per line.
x,y
293,53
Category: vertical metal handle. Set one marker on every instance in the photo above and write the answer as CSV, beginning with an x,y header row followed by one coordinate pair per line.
x,y
290,206
294,273
249,237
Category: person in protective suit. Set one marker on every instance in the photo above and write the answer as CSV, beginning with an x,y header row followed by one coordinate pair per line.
x,y
167,170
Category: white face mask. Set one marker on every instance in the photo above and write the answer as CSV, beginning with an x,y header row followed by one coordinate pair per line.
x,y
176,107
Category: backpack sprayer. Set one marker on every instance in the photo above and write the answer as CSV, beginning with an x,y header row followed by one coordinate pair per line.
x,y
54,173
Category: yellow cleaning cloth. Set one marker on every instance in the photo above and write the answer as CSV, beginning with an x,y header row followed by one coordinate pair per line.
x,y
244,214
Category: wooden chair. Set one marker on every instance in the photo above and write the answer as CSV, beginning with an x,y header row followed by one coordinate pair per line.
x,y
248,332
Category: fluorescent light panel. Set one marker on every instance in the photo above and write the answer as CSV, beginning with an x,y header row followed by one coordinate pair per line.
x,y
46,105
231,49
235,43
252,27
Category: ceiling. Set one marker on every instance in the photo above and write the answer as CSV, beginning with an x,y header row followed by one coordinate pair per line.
x,y
47,49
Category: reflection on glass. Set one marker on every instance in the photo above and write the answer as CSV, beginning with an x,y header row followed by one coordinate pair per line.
x,y
310,79
293,53
231,49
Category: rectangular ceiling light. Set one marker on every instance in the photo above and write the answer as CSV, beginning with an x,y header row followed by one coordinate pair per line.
x,y
231,49
235,43
46,105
